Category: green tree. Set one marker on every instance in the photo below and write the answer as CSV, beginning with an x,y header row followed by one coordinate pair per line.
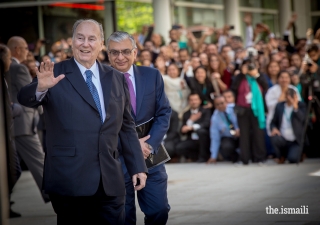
x,y
131,16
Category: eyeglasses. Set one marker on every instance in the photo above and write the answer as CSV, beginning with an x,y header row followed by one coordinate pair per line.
x,y
125,52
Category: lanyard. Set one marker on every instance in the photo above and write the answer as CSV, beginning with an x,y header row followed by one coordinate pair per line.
x,y
225,120
204,90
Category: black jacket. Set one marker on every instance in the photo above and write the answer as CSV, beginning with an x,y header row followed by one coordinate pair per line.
x,y
204,120
297,120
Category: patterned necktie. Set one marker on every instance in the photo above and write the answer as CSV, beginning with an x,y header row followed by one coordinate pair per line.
x,y
94,92
131,91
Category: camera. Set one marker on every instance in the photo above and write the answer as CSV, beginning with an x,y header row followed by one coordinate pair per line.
x,y
307,60
252,53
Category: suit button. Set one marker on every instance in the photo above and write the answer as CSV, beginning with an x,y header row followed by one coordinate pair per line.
x,y
98,115
31,99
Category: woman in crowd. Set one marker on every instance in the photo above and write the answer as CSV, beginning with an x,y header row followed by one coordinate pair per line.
x,y
201,85
160,64
249,88
273,70
218,71
284,63
277,93
176,89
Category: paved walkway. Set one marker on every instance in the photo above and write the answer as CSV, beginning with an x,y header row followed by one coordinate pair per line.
x,y
219,194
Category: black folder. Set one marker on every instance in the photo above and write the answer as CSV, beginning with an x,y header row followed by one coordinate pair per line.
x,y
162,155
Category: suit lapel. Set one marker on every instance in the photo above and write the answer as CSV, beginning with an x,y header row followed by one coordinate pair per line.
x,y
281,114
106,84
140,87
75,77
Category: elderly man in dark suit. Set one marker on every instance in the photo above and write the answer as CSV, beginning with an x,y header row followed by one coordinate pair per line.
x,y
286,128
86,106
27,141
148,100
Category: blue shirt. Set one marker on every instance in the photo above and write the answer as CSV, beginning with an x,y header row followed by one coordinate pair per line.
x,y
219,128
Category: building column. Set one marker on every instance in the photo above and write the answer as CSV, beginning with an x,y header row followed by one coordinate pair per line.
x,y
109,19
300,7
284,9
41,29
232,15
162,18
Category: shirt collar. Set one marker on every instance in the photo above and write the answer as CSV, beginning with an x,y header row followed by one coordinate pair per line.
x,y
94,69
15,59
194,111
130,71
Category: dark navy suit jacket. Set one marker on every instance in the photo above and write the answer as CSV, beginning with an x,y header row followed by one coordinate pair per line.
x,y
81,151
152,102
297,120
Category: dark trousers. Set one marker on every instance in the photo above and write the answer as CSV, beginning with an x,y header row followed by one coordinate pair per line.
x,y
228,147
252,143
98,209
195,149
288,149
153,200
170,147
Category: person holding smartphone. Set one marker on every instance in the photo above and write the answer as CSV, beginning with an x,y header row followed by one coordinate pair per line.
x,y
286,133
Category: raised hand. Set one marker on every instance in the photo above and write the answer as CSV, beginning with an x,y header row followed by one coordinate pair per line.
x,y
46,77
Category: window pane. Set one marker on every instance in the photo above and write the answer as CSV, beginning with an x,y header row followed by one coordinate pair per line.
x,y
266,4
269,19
219,2
188,16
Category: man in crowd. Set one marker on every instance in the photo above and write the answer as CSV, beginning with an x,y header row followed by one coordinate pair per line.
x,y
286,128
195,124
229,97
27,141
87,106
224,132
12,110
148,101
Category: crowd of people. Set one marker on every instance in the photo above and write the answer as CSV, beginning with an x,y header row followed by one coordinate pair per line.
x,y
232,98
210,66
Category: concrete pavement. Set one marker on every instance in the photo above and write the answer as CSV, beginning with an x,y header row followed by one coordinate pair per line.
x,y
220,194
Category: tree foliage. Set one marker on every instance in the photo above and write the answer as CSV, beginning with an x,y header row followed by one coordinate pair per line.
x,y
131,16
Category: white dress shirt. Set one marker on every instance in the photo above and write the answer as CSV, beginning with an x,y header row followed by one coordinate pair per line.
x,y
95,80
15,59
130,71
286,129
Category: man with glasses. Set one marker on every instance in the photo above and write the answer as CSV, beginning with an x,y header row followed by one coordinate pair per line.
x,y
224,132
27,141
148,100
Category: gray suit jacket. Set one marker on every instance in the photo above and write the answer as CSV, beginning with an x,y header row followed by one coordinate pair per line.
x,y
26,123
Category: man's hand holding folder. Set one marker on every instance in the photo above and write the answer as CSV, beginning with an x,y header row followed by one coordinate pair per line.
x,y
145,146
